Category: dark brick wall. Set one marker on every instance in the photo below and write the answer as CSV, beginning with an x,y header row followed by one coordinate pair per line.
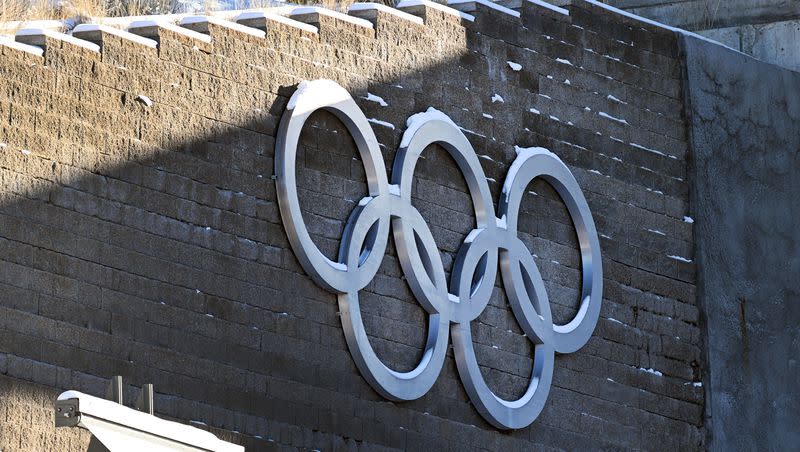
x,y
146,241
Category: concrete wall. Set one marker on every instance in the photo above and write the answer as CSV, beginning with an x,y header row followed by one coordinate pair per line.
x,y
767,29
145,240
745,128
712,14
777,43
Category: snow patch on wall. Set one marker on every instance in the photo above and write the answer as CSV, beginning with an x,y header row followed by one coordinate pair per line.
x,y
516,67
377,99
679,258
415,121
145,100
388,125
613,118
652,371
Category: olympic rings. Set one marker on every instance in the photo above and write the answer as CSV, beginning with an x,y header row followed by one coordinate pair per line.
x,y
493,242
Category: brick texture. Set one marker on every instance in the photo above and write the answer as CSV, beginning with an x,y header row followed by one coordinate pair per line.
x,y
146,241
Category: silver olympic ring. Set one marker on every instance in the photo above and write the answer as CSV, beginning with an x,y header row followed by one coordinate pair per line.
x,y
493,242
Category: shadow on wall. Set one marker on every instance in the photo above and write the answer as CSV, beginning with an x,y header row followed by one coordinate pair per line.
x,y
141,235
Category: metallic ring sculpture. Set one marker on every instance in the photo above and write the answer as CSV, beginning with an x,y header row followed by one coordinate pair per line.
x,y
494,241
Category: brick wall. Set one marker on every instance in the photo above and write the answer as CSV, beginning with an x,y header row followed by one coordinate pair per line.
x,y
145,240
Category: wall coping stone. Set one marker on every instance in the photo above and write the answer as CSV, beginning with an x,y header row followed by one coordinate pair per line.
x,y
369,11
200,25
472,5
11,43
93,32
143,28
37,37
310,13
413,6
190,25
251,16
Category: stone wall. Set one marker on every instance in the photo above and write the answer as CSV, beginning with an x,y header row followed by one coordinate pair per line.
x,y
746,151
26,417
140,234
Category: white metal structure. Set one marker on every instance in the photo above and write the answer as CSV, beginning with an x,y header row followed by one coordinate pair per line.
x,y
123,429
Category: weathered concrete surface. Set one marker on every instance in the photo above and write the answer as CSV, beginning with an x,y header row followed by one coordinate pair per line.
x,y
745,126
775,43
708,14
767,29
